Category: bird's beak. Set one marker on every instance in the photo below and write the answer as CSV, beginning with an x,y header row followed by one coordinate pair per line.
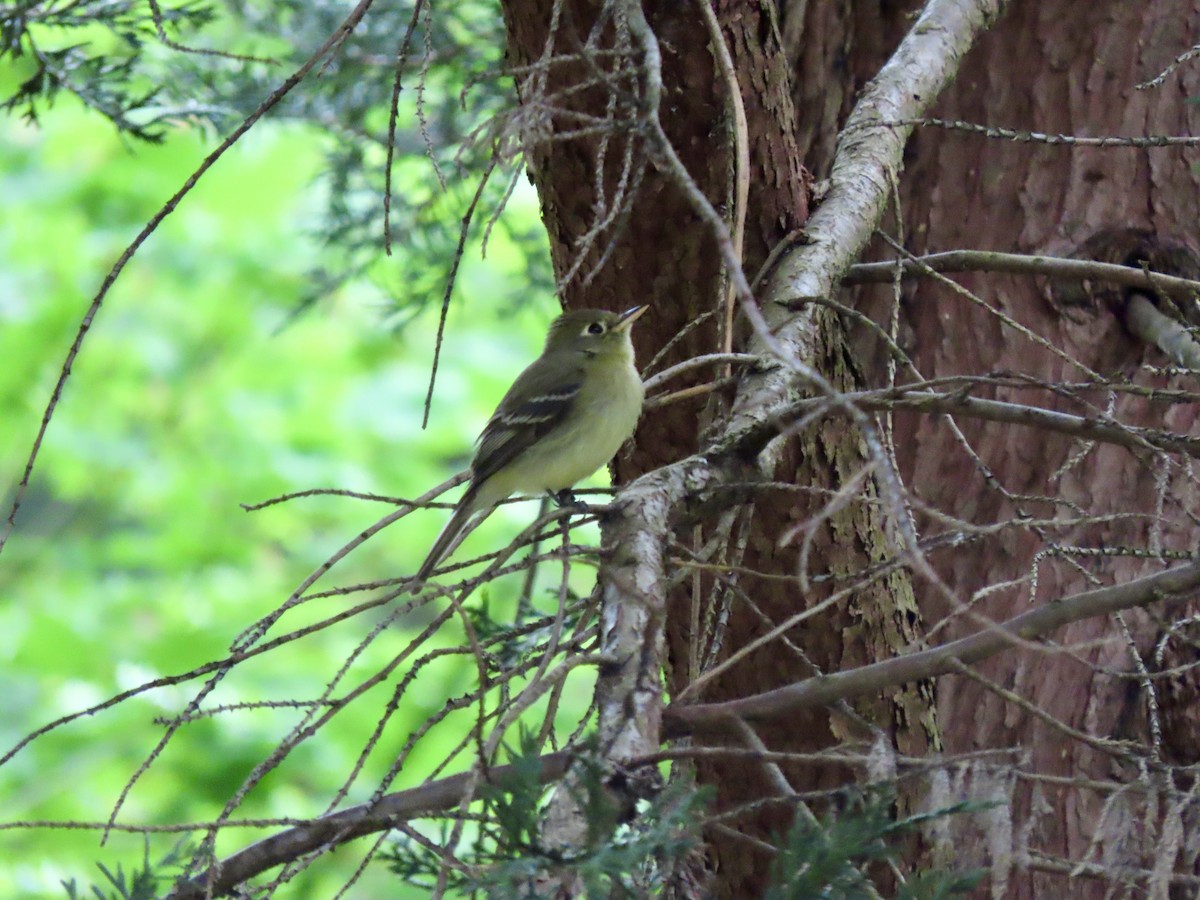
x,y
629,317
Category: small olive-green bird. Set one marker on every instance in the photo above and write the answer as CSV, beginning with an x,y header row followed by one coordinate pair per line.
x,y
564,417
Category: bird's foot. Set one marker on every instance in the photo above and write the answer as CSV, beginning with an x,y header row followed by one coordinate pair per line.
x,y
567,498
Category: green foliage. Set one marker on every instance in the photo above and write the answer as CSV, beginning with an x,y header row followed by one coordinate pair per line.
x,y
519,629
93,50
198,390
506,850
108,54
829,857
143,881
445,140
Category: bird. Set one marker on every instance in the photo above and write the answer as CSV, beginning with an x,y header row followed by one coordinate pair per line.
x,y
566,415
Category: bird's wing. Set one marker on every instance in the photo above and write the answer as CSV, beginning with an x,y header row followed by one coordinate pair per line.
x,y
540,398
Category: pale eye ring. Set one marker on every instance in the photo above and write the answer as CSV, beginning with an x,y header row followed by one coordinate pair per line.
x,y
595,328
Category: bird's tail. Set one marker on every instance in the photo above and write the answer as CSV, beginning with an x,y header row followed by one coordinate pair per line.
x,y
466,508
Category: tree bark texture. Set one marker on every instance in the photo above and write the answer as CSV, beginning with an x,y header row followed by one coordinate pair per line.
x,y
1058,68
1053,67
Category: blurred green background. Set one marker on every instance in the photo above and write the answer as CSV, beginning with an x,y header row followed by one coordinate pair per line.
x,y
206,383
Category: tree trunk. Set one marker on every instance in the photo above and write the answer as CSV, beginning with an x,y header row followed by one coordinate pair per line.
x,y
624,231
1058,68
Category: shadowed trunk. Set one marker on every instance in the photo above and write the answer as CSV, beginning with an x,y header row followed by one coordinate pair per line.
x,y
1053,67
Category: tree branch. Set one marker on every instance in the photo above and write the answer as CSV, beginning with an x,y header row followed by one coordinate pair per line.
x,y
1019,264
860,180
871,679
1146,321
1109,432
349,824
924,63
85,324
342,827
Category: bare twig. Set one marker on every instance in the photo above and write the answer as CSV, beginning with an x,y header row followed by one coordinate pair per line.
x,y
393,112
1180,581
988,261
335,39
1037,137
741,141
340,827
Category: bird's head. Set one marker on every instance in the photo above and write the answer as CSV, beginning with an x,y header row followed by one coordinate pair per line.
x,y
593,331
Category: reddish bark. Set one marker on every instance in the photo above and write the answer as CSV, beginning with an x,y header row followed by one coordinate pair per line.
x,y
1071,69
1055,67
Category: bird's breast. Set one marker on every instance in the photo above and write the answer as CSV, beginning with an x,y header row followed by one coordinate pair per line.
x,y
602,418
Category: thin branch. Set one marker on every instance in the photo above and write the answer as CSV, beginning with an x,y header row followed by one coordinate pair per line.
x,y
870,679
393,114
157,15
85,324
741,141
696,362
987,261
1037,137
1034,417
451,278
1040,862
1162,76
1169,335
338,828
752,438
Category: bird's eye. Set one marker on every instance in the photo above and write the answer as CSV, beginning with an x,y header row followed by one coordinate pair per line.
x,y
595,328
